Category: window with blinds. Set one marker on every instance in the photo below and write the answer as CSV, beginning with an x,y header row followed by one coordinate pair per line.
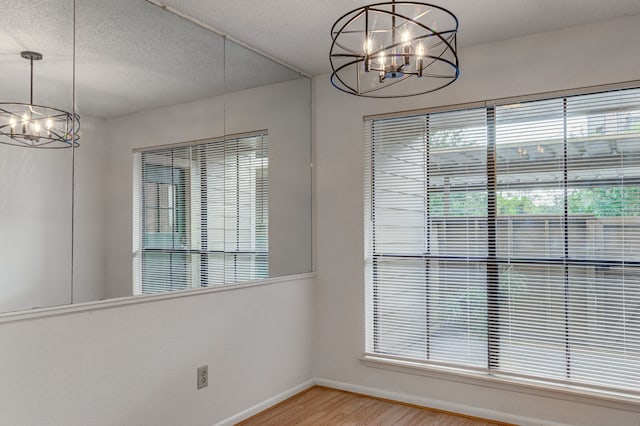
x,y
506,239
201,214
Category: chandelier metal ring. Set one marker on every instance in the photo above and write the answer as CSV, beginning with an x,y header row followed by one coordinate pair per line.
x,y
376,47
37,126
54,138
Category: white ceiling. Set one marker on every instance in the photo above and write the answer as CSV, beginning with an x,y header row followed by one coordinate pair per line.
x,y
297,31
131,55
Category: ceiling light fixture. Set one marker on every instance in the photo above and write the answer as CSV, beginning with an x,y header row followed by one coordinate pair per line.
x,y
37,126
376,49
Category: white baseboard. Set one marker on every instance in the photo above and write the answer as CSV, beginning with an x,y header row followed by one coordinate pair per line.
x,y
436,404
261,406
395,396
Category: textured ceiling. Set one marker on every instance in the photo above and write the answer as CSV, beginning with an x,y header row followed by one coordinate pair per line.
x,y
297,31
132,55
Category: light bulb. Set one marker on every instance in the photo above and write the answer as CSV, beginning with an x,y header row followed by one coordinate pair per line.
x,y
405,37
406,47
25,117
12,122
382,58
49,123
36,127
419,63
368,46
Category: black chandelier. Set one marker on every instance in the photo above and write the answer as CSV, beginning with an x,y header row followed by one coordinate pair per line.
x,y
37,126
376,50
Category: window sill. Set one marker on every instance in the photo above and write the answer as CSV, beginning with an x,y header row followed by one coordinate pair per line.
x,y
619,401
134,300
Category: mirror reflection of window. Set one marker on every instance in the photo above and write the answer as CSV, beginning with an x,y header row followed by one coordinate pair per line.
x,y
160,207
203,212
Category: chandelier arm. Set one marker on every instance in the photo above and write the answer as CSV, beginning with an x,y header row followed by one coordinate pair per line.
x,y
451,33
430,30
406,18
357,54
335,38
53,137
335,74
378,31
391,83
23,143
434,59
416,3
19,143
337,34
362,32
365,10
393,14
388,47
361,10
404,96
440,58
407,75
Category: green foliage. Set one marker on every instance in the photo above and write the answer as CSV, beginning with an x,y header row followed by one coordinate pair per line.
x,y
456,138
605,202
599,202
458,204
515,204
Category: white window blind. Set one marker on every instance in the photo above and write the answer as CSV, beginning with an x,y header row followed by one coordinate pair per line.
x,y
201,214
507,239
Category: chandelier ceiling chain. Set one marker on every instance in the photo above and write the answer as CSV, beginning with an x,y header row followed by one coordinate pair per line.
x,y
37,126
376,49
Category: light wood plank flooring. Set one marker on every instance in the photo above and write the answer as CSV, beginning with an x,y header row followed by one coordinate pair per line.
x,y
324,406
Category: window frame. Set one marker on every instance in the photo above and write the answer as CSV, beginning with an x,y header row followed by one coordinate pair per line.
x,y
492,259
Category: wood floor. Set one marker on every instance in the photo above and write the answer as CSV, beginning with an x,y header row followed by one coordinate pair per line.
x,y
324,406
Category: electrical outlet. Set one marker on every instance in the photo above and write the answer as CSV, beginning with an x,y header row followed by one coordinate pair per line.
x,y
203,377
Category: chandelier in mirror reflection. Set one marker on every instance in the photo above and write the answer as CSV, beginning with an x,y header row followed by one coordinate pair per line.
x,y
37,126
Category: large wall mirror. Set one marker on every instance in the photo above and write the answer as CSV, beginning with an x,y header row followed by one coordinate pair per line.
x,y
193,161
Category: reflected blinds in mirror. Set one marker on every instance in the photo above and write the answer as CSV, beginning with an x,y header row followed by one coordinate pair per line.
x,y
201,215
506,239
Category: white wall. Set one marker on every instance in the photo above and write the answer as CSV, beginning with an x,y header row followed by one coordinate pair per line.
x,y
606,52
136,364
35,207
283,109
